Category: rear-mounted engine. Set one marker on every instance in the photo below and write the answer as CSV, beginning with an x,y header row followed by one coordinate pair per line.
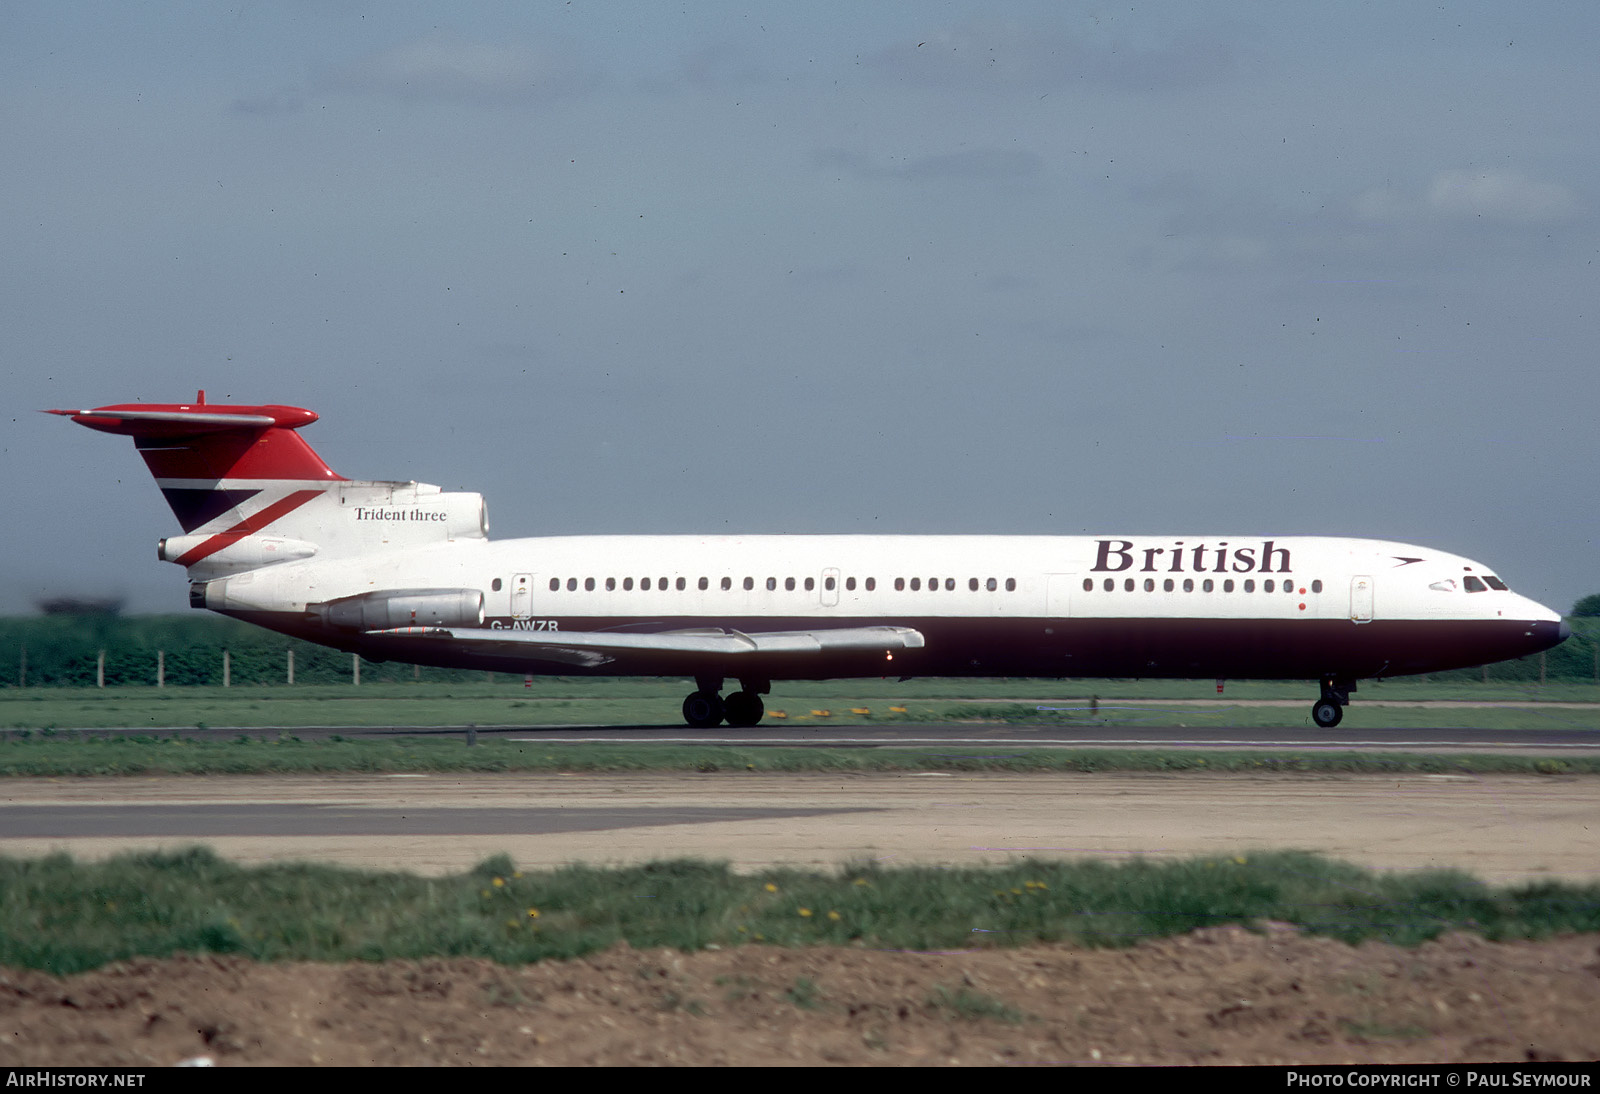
x,y
402,608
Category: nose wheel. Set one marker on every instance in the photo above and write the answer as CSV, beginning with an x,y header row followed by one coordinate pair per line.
x,y
1328,711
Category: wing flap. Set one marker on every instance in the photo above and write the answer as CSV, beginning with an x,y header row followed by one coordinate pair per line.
x,y
593,649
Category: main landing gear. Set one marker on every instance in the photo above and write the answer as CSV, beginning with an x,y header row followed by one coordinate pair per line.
x,y
705,708
1328,711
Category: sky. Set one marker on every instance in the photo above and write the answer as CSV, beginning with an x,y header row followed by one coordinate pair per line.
x,y
1011,267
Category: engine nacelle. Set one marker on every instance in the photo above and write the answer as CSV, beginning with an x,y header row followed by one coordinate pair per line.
x,y
392,608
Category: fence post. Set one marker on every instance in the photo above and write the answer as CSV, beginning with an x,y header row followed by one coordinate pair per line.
x,y
100,670
291,666
22,670
227,669
161,668
355,669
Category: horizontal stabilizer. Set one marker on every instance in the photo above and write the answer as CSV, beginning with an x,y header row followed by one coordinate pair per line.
x,y
182,420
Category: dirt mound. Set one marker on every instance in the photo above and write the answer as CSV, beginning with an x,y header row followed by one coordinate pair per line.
x,y
1219,996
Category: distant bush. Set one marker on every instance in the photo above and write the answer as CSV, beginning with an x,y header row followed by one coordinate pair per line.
x,y
61,650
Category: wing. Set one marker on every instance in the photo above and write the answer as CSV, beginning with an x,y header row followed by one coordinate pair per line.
x,y
668,653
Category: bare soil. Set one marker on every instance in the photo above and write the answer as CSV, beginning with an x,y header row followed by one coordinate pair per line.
x,y
1217,996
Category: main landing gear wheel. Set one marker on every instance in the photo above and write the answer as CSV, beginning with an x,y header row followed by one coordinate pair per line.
x,y
744,708
703,709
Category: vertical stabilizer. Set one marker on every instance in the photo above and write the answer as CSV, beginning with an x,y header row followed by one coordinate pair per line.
x,y
230,471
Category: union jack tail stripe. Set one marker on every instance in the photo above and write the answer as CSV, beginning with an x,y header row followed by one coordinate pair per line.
x,y
211,459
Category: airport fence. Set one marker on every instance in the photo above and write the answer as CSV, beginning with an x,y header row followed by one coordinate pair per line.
x,y
178,651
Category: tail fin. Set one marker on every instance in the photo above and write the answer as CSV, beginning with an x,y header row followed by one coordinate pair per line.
x,y
249,491
211,460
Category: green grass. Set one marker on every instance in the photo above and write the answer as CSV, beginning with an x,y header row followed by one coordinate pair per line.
x,y
575,701
59,754
64,917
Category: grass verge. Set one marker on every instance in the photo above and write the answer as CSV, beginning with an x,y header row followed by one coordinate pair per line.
x,y
85,753
64,917
572,701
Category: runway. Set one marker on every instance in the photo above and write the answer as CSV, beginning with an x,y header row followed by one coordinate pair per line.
x,y
1569,733
1501,828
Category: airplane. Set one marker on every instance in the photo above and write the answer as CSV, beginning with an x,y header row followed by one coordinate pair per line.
x,y
405,571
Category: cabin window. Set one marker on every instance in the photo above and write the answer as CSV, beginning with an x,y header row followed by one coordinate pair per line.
x,y
899,584
949,584
811,583
704,582
644,584
1188,584
749,583
555,584
1227,586
1011,584
681,584
627,584
611,584
494,586
991,584
872,583
829,582
727,583
1088,584
1249,585
1207,585
1127,585
1267,586
850,584
1109,584
1166,586
772,584
916,584
788,584
1149,584
1316,586
588,584
972,584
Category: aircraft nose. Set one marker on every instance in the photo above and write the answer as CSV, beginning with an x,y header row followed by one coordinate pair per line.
x,y
1565,632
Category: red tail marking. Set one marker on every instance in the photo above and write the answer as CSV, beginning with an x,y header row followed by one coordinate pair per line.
x,y
256,522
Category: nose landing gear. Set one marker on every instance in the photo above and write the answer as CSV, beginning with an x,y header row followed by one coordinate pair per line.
x,y
1328,711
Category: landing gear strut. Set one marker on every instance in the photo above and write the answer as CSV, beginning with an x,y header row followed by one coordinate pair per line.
x,y
1328,711
705,708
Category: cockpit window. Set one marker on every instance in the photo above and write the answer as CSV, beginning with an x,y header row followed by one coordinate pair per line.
x,y
1495,583
1445,586
1473,585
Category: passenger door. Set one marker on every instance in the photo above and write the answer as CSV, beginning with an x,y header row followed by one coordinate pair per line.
x,y
1361,599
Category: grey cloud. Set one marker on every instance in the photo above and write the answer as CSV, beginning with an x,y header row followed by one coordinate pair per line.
x,y
1012,55
979,163
447,66
1508,197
